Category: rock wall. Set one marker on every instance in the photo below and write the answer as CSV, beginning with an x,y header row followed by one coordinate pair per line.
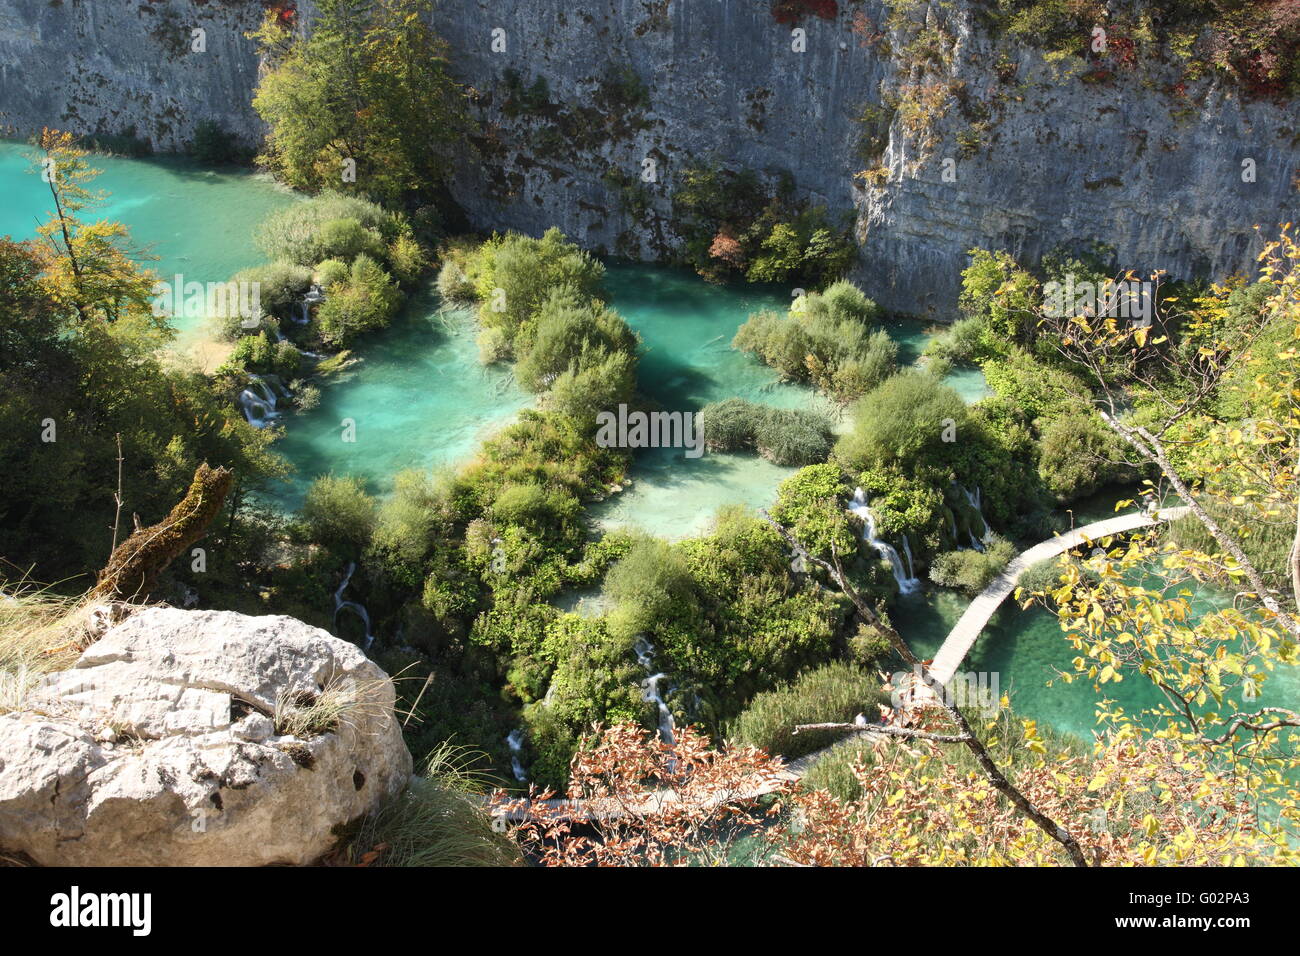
x,y
127,66
1156,175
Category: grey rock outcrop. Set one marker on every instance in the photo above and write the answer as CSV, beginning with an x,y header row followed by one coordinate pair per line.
x,y
160,746
1155,175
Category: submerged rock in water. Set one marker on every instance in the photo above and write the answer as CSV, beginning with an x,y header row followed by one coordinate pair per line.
x,y
162,745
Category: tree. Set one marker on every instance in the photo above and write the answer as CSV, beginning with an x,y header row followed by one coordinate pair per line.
x,y
1191,373
87,267
368,86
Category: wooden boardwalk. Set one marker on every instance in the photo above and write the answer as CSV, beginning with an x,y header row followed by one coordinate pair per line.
x,y
971,625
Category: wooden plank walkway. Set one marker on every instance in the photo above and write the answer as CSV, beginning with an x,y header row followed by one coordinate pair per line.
x,y
971,624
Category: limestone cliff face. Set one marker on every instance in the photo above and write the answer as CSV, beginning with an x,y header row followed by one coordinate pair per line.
x,y
113,66
1038,156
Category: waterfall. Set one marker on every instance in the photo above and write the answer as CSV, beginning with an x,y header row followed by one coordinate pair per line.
x,y
314,295
858,506
358,609
650,689
907,550
515,741
258,402
258,413
974,501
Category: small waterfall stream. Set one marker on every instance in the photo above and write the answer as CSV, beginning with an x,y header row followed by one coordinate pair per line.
x,y
906,583
973,499
314,296
515,741
358,609
258,402
650,689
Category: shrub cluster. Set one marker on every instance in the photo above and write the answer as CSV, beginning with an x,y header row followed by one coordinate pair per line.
x,y
781,435
826,339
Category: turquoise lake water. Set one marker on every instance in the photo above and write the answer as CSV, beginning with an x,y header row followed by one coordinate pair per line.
x,y
197,222
421,398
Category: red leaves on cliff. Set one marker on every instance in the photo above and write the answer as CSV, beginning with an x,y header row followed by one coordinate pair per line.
x,y
790,12
286,11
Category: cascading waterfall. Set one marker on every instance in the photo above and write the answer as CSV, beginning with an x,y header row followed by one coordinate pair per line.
x,y
515,741
911,565
858,506
258,402
314,296
650,689
358,609
973,499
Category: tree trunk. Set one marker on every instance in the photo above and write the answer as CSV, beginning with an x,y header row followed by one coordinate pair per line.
x,y
136,563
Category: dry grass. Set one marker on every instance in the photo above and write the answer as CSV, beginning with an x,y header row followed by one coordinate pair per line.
x,y
40,632
441,819
304,715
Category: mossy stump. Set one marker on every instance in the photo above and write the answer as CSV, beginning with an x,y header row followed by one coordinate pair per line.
x,y
136,563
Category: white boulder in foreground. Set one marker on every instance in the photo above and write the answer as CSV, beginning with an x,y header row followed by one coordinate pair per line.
x,y
160,746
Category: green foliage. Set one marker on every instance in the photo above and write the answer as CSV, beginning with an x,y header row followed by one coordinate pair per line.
x,y
1035,387
781,435
811,504
345,239
1078,455
367,84
570,335
835,692
724,613
454,286
368,301
901,425
304,232
339,513
439,820
93,381
281,286
331,273
1006,297
734,225
651,582
971,571
826,340
407,260
514,275
963,342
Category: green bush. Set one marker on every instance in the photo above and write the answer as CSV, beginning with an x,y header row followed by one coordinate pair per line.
x,y
569,334
784,436
407,260
811,504
345,239
652,581
972,571
339,513
835,692
513,275
454,286
901,424
582,393
331,273
281,286
1079,454
963,342
368,301
826,340
294,234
